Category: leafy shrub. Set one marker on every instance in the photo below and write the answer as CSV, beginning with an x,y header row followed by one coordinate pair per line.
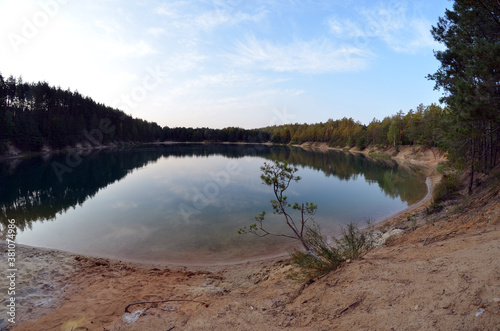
x,y
353,242
322,258
446,189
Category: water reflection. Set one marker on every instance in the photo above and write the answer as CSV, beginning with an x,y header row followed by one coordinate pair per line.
x,y
185,199
31,190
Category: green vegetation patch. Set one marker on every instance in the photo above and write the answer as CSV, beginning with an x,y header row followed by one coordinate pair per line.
x,y
447,188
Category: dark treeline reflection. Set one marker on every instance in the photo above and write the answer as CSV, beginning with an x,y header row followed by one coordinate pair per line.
x,y
31,190
395,182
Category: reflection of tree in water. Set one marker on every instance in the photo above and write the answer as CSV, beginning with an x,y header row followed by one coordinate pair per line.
x,y
394,182
30,191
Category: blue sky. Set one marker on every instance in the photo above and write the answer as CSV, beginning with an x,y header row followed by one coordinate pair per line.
x,y
219,63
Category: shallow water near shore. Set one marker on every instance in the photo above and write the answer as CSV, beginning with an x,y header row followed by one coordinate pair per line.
x,y
185,203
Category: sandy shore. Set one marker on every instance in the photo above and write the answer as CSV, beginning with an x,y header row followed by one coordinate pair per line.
x,y
442,273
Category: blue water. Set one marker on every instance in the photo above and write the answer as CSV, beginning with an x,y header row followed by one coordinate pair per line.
x,y
185,203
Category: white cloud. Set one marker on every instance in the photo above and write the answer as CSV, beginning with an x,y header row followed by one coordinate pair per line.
x,y
170,9
388,22
336,27
315,56
156,31
211,19
184,16
230,82
343,28
414,38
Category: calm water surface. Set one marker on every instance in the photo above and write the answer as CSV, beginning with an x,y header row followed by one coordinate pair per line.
x,y
185,203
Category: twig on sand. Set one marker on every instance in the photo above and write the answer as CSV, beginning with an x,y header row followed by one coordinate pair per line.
x,y
160,301
352,305
425,241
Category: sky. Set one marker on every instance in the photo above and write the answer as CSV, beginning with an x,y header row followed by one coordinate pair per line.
x,y
220,63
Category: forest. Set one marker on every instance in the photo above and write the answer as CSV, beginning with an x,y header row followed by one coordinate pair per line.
x,y
37,115
33,115
420,126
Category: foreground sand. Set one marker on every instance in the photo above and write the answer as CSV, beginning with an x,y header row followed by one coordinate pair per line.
x,y
442,273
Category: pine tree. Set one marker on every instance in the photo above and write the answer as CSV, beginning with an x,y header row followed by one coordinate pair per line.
x,y
470,77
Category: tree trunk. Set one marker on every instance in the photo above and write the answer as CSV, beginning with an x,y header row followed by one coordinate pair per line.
x,y
471,178
492,164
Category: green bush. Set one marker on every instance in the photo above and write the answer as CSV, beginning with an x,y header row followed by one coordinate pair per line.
x,y
446,189
353,242
322,258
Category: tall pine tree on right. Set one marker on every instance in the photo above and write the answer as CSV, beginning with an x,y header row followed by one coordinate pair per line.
x,y
469,76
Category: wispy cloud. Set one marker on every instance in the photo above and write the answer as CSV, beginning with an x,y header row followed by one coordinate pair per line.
x,y
230,82
414,37
390,23
305,56
183,16
345,28
211,19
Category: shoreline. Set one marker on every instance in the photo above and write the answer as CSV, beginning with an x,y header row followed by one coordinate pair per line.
x,y
117,145
431,180
15,153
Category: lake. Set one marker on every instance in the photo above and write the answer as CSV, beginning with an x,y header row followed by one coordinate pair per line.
x,y
184,203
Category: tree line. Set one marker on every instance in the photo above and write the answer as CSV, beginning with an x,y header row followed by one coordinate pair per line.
x,y
36,114
421,126
33,115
